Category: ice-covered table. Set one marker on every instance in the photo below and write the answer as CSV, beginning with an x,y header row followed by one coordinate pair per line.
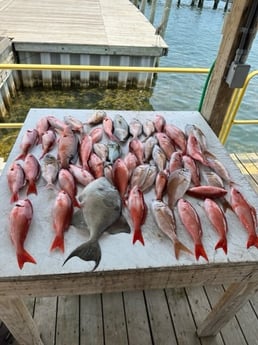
x,y
123,266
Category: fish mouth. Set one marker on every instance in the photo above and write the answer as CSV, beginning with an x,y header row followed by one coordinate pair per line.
x,y
88,251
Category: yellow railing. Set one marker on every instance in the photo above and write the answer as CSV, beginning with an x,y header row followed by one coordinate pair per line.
x,y
234,105
93,68
230,115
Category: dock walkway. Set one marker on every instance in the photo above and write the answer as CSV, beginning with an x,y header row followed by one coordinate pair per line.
x,y
88,32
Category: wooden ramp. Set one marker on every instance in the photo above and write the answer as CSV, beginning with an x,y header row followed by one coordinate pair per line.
x,y
158,317
85,32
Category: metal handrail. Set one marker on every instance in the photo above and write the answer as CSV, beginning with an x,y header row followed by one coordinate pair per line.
x,y
96,68
229,119
236,100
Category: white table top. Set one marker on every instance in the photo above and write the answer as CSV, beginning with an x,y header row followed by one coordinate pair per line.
x,y
118,252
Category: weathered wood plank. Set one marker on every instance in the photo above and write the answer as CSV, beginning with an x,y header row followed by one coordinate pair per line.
x,y
200,307
136,318
114,319
91,320
162,327
185,328
18,320
45,318
115,23
247,168
225,307
248,323
67,330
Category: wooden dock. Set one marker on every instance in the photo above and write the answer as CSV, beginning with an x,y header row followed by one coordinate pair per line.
x,y
90,32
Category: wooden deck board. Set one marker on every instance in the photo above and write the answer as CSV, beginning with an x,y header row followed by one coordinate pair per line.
x,y
118,22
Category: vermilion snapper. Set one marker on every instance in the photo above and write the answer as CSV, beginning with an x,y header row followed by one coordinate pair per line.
x,y
62,216
29,139
67,147
15,179
191,221
120,177
138,212
219,222
246,213
31,169
20,220
67,183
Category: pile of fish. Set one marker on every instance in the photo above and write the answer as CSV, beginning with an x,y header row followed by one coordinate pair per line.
x,y
114,164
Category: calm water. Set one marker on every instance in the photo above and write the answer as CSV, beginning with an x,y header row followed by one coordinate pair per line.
x,y
193,36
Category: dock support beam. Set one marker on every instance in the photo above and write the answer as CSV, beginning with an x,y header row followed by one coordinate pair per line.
x,y
219,93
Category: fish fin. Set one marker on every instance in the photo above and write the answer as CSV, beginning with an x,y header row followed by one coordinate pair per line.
x,y
76,203
14,197
42,155
89,251
178,246
32,189
137,236
225,205
23,257
120,225
20,156
58,242
222,243
200,251
78,220
252,241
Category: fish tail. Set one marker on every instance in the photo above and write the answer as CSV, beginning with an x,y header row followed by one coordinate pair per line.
x,y
58,242
32,189
178,246
222,243
137,236
14,197
23,257
200,251
89,251
50,185
252,241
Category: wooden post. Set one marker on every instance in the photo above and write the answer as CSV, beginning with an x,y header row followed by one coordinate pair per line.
x,y
192,3
164,21
215,5
153,11
200,4
219,94
226,6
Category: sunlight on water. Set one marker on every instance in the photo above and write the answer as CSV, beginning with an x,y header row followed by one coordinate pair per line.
x,y
193,36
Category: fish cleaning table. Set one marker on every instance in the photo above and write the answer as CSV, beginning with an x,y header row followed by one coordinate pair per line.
x,y
123,266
